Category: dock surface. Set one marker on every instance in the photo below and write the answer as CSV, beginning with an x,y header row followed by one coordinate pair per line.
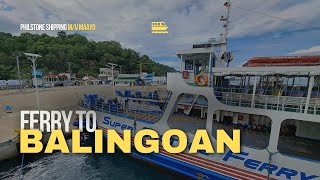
x,y
56,98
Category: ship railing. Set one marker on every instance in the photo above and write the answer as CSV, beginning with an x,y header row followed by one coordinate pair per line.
x,y
269,99
135,113
161,99
160,95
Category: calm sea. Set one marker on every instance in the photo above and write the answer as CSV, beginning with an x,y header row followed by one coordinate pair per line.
x,y
83,166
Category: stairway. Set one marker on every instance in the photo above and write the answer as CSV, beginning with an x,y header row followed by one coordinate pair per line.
x,y
166,101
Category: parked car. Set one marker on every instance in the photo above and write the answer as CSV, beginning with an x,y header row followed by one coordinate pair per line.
x,y
58,84
47,85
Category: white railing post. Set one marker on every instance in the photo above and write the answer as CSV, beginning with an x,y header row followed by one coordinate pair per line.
x,y
210,70
254,91
311,82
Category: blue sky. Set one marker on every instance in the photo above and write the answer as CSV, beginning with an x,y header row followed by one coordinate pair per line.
x,y
189,21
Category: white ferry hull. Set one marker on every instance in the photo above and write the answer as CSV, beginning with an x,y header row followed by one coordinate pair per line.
x,y
249,164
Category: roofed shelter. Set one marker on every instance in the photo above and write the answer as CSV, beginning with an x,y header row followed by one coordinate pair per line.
x,y
128,80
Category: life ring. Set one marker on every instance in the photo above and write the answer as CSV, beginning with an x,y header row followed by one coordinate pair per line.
x,y
198,78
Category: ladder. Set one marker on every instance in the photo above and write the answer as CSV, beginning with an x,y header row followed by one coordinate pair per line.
x,y
187,112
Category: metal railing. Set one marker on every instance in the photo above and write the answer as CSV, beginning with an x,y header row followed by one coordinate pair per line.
x,y
161,95
292,101
122,110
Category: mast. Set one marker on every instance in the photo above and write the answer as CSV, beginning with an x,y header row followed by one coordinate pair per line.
x,y
226,54
226,26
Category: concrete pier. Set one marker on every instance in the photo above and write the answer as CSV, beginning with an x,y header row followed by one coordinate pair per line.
x,y
57,98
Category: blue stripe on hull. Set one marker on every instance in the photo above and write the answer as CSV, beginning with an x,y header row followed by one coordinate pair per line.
x,y
179,166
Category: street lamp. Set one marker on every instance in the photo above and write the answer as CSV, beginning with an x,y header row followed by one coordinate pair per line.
x,y
17,54
112,65
33,58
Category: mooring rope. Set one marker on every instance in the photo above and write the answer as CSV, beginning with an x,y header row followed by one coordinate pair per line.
x,y
270,159
21,167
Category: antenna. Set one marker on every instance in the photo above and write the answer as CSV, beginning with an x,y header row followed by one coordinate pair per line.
x,y
226,26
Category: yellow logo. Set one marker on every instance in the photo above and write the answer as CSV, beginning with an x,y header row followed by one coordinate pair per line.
x,y
159,28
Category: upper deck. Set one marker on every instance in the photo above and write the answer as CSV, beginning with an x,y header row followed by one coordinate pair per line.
x,y
263,84
294,89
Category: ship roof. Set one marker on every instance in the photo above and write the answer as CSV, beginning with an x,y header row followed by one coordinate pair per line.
x,y
288,70
194,51
202,48
283,61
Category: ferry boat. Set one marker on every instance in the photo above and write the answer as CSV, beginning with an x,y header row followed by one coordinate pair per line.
x,y
276,108
159,27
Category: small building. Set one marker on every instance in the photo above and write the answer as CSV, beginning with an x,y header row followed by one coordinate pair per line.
x,y
159,80
90,80
128,80
105,75
151,79
61,79
70,76
15,83
53,78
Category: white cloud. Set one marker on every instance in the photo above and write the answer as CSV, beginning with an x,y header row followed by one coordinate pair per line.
x,y
307,51
189,21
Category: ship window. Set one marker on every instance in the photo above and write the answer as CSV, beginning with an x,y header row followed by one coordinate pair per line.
x,y
300,139
254,129
188,65
190,113
162,24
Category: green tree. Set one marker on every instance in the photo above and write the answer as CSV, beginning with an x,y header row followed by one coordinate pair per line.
x,y
85,56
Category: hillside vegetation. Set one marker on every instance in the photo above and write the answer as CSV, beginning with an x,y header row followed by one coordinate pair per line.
x,y
86,56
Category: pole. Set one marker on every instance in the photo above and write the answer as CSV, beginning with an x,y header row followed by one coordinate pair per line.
x,y
226,34
112,65
311,83
33,59
112,80
18,66
140,68
254,92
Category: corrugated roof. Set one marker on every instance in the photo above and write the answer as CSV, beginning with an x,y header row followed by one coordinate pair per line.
x,y
128,80
128,75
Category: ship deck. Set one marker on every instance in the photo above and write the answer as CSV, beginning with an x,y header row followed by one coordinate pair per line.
x,y
259,139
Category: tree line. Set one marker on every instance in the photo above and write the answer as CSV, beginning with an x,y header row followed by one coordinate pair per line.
x,y
85,56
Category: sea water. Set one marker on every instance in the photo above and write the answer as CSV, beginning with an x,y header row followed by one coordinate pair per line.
x,y
83,166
